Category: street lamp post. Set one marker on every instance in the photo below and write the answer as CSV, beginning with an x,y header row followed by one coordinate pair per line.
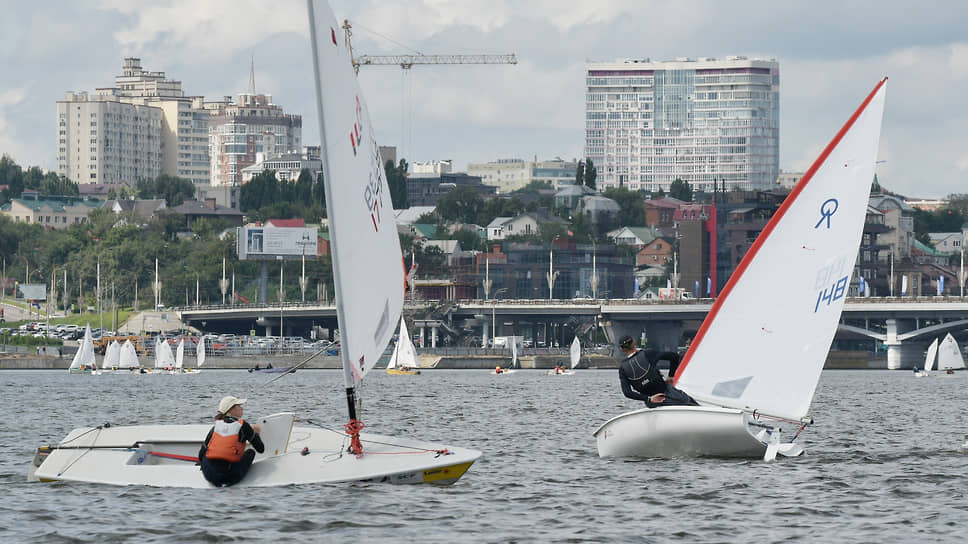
x,y
551,269
494,313
594,279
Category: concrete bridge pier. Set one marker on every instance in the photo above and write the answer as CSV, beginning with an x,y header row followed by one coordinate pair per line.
x,y
901,355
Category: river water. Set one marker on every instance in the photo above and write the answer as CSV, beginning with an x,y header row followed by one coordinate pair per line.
x,y
882,462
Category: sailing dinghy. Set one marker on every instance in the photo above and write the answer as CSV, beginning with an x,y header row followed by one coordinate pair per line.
x,y
403,361
369,285
574,354
112,357
928,360
84,361
949,357
754,364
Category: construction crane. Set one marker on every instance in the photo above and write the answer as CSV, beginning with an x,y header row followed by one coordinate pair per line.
x,y
407,61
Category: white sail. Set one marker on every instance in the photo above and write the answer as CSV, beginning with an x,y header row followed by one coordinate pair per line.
x,y
180,354
514,353
112,355
575,352
85,352
200,351
129,356
367,263
164,358
404,352
931,356
753,353
949,354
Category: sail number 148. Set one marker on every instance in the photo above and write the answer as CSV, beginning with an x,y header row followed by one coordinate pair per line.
x,y
834,292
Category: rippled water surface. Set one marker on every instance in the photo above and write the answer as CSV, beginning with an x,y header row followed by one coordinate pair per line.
x,y
882,463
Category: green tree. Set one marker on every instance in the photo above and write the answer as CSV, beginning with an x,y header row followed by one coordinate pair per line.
x,y
591,174
397,180
460,204
681,190
631,209
173,189
580,173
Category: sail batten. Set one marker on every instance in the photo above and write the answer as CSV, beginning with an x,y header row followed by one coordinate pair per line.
x,y
767,355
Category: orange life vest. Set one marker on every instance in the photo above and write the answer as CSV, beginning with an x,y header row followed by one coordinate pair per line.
x,y
225,443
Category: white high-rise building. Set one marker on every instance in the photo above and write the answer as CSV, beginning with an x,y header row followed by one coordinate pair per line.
x,y
184,119
706,121
101,139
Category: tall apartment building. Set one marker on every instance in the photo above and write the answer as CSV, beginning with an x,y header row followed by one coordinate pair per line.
x,y
705,121
512,174
238,132
103,140
142,127
184,129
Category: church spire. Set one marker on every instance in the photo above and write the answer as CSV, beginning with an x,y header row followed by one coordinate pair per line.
x,y
252,76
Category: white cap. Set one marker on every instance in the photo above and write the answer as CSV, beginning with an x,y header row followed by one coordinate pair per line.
x,y
227,403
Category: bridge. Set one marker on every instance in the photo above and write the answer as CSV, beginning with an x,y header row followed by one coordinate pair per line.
x,y
901,326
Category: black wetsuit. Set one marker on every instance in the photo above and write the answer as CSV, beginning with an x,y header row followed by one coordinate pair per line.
x,y
640,378
226,473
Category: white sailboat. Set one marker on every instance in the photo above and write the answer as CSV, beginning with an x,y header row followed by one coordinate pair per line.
x,y
129,357
403,361
200,353
754,364
950,358
928,360
369,285
84,361
574,354
180,355
164,358
112,357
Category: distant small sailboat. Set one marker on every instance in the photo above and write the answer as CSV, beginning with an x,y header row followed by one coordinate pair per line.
x,y
84,361
403,361
112,357
929,359
164,358
575,355
950,358
129,357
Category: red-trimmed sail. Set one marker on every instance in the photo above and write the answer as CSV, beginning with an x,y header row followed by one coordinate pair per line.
x,y
766,338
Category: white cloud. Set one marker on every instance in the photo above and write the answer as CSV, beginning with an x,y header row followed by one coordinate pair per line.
x,y
203,30
11,141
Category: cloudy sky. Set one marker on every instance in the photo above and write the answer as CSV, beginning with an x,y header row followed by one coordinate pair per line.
x,y
831,53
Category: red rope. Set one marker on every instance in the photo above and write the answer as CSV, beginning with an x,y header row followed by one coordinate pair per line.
x,y
353,429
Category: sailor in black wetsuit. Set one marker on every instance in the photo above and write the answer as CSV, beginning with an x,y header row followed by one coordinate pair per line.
x,y
641,380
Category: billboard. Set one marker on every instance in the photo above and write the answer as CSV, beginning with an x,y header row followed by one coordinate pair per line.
x,y
271,243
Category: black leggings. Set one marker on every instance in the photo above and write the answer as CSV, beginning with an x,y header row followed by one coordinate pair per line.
x,y
223,473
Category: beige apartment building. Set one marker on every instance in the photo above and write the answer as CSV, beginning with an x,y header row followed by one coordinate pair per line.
x,y
53,212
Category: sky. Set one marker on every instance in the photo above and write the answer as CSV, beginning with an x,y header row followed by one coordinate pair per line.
x,y
831,54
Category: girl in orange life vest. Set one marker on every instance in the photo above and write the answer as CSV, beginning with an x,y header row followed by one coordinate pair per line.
x,y
223,456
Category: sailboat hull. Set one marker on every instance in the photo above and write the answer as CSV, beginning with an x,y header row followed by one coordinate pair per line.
x,y
400,372
164,456
680,431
